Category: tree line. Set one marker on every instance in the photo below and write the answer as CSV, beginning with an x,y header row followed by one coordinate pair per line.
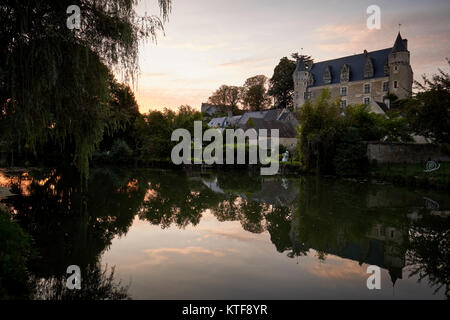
x,y
259,92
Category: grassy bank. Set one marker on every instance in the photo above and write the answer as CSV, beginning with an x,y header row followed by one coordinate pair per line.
x,y
413,175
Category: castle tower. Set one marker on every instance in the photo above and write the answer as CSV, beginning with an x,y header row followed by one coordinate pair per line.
x,y
301,77
400,72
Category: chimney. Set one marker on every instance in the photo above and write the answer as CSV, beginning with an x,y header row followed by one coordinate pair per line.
x,y
405,42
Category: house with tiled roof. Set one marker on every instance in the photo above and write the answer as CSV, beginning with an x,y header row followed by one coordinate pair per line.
x,y
281,119
366,78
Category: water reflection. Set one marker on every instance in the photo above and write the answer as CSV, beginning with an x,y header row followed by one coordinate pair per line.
x,y
333,220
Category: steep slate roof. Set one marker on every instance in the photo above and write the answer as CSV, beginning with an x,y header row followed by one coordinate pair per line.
x,y
356,64
285,129
382,105
265,114
216,122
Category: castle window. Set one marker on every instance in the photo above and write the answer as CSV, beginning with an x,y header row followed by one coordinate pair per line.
x,y
343,103
396,68
386,86
395,84
310,80
307,95
366,101
368,68
367,88
327,75
345,73
386,69
343,91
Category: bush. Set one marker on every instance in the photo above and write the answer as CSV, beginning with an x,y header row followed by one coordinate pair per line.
x,y
14,252
120,151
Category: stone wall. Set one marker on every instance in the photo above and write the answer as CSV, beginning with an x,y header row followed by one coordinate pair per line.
x,y
355,90
384,152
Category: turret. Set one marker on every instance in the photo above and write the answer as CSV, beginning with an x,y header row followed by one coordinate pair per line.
x,y
301,77
400,72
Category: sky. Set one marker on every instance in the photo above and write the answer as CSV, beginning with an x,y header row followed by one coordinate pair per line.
x,y
208,43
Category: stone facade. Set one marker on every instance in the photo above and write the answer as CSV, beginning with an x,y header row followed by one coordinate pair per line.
x,y
366,78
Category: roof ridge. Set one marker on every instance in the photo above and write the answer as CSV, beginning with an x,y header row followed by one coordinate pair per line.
x,y
353,55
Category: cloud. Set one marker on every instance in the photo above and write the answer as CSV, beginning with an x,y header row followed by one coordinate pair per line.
x,y
338,268
195,46
243,62
235,235
161,256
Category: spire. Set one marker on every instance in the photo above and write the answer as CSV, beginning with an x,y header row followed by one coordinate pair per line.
x,y
399,45
301,66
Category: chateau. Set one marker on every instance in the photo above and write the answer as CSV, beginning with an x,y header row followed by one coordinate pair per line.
x,y
365,78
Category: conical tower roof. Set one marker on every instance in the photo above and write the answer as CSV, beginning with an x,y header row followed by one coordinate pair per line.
x,y
399,45
301,65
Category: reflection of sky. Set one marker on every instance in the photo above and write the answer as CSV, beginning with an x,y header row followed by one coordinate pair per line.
x,y
219,260
213,42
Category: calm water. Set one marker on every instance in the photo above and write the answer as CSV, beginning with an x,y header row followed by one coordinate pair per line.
x,y
178,235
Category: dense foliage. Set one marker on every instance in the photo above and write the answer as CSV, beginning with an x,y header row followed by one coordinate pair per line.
x,y
281,85
56,82
429,110
332,140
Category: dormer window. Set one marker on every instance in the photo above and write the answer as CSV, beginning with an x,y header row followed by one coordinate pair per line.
x,y
345,73
368,68
327,75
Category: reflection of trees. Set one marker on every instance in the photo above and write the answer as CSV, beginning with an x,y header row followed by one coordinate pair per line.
x,y
174,199
70,225
429,251
278,224
332,214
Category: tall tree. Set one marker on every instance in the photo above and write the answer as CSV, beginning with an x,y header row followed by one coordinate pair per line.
x,y
254,95
429,111
227,97
281,85
55,81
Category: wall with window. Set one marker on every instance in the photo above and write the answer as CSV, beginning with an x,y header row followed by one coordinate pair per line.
x,y
354,90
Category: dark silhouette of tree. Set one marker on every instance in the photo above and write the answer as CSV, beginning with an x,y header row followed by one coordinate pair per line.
x,y
55,81
254,94
429,110
281,85
429,251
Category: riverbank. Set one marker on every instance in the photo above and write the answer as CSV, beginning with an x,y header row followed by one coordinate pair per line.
x,y
413,175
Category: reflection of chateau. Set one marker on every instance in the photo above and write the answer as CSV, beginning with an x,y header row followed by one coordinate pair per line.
x,y
382,247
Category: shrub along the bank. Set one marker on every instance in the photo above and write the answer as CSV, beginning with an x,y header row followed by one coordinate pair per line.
x,y
332,139
14,252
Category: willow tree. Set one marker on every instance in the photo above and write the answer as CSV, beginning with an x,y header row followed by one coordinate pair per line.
x,y
55,82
